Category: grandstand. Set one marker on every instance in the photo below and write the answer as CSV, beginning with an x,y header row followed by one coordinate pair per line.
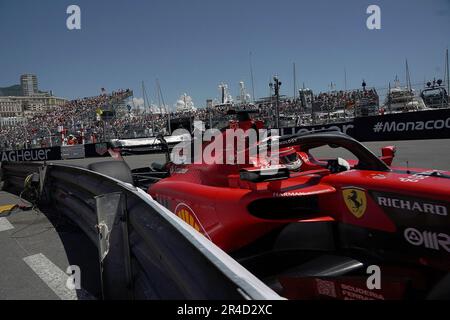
x,y
107,116
74,122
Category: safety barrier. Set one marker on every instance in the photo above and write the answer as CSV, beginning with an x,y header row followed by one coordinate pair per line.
x,y
146,252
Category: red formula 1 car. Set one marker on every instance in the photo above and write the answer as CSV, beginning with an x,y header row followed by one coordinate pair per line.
x,y
320,228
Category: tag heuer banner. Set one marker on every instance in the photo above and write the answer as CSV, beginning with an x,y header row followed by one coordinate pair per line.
x,y
78,151
38,154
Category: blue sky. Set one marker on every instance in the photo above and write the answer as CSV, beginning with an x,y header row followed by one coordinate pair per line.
x,y
193,45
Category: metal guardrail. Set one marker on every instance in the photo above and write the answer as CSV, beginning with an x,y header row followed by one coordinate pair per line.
x,y
145,251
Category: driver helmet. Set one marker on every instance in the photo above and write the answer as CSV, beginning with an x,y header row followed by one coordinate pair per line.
x,y
290,159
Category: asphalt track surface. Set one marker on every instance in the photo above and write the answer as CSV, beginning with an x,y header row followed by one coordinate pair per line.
x,y
427,154
36,252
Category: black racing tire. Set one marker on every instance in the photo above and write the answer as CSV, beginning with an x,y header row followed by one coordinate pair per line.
x,y
441,290
115,169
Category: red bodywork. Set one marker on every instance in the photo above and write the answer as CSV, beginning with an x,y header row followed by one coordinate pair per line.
x,y
234,213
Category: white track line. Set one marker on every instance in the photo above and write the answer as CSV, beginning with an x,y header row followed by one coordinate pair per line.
x,y
53,276
5,224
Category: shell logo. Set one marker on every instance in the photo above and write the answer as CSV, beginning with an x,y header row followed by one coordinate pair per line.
x,y
188,218
187,215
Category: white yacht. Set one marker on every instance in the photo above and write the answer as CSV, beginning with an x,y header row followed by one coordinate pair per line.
x,y
403,99
185,104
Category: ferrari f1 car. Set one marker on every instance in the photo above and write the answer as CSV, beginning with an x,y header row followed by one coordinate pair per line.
x,y
320,228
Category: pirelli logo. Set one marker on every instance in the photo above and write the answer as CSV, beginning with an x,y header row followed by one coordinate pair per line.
x,y
413,206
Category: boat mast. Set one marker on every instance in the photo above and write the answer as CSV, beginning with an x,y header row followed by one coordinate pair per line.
x,y
408,83
251,76
295,82
389,97
447,73
143,93
164,104
345,79
408,78
146,106
158,97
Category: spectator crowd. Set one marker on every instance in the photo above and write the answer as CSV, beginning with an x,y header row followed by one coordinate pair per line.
x,y
79,121
70,123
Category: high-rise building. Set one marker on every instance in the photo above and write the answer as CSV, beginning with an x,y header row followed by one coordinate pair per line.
x,y
29,84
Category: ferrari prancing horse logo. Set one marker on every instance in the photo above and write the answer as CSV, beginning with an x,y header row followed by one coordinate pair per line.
x,y
355,200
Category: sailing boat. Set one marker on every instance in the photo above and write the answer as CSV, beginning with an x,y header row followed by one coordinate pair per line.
x,y
403,99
